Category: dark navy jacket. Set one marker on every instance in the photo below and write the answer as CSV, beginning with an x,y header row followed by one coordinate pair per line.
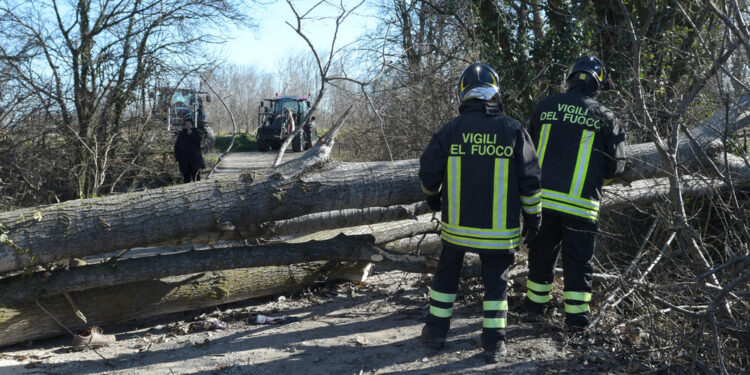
x,y
484,165
580,145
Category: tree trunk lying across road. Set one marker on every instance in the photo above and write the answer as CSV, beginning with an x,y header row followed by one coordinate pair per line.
x,y
44,284
205,211
111,305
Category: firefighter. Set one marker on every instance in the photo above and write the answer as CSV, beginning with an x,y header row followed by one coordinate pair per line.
x,y
481,170
580,146
187,151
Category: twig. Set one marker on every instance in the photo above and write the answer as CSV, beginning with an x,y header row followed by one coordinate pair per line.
x,y
104,359
234,128
648,270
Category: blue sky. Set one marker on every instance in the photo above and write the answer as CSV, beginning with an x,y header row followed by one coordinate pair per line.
x,y
267,44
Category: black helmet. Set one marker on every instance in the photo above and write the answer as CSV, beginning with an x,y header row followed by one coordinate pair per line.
x,y
590,65
478,75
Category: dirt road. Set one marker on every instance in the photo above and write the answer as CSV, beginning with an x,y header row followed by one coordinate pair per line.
x,y
346,328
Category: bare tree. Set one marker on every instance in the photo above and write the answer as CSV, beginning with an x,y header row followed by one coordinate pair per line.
x,y
89,60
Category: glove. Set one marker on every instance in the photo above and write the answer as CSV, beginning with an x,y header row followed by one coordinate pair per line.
x,y
434,202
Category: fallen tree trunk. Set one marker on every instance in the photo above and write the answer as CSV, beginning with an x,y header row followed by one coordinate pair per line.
x,y
645,162
44,284
111,305
214,210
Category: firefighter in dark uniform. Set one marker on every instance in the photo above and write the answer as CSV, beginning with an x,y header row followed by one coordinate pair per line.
x,y
481,170
187,151
580,147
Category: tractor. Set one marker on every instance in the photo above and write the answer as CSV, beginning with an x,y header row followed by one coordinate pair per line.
x,y
175,105
275,124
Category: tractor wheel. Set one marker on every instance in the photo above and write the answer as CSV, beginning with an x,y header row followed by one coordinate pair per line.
x,y
263,145
297,143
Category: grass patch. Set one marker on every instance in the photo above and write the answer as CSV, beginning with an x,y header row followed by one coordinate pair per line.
x,y
242,143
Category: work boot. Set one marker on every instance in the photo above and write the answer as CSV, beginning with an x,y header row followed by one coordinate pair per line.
x,y
494,354
432,339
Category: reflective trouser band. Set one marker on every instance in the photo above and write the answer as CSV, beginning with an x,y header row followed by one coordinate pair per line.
x,y
430,192
577,296
494,322
442,297
576,309
442,313
542,288
608,181
536,297
542,146
495,305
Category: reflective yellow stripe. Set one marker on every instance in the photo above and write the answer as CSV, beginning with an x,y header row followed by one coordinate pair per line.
x,y
494,323
500,193
531,199
573,210
576,309
541,288
495,305
542,146
567,198
480,232
531,210
577,296
608,181
491,244
454,188
537,298
582,162
441,313
430,192
442,297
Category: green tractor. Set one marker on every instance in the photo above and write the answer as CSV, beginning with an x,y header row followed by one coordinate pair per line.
x,y
275,125
174,106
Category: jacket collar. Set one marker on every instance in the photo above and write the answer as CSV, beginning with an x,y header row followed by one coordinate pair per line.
x,y
489,108
582,88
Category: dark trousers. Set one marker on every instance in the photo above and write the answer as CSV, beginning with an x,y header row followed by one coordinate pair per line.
x,y
445,284
576,240
189,174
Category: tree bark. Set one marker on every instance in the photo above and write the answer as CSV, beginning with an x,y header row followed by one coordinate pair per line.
x,y
111,305
44,284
